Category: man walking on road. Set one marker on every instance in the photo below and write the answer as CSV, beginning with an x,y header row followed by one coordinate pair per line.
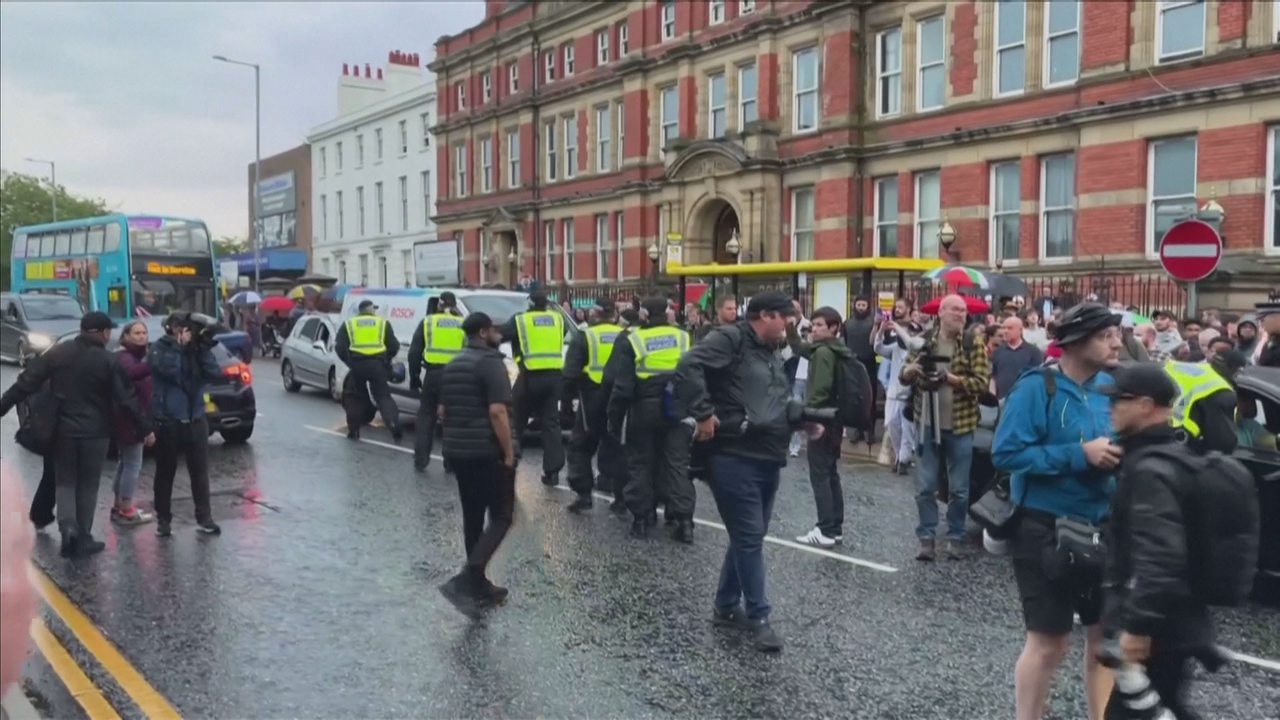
x,y
86,382
475,394
367,344
537,339
437,340
584,364
734,374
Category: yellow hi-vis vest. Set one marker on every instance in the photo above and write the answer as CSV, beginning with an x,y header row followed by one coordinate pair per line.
x,y
658,349
1196,381
442,338
367,334
599,348
541,336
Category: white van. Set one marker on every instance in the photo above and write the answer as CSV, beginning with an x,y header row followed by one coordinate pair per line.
x,y
406,308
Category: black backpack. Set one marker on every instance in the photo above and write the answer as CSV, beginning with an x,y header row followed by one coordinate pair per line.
x,y
852,393
1223,522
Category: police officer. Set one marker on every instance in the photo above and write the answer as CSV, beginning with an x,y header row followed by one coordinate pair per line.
x,y
584,366
435,342
537,342
657,444
366,343
1205,413
628,320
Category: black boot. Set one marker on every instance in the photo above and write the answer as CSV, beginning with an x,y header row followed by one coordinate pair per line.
x,y
618,507
684,531
397,435
86,545
582,503
461,593
353,433
639,527
551,479
69,544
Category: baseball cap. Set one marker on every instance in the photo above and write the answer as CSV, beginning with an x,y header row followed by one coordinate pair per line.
x,y
448,299
1142,380
96,322
772,301
475,322
366,305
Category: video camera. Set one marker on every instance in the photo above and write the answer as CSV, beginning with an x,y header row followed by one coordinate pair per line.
x,y
934,377
203,327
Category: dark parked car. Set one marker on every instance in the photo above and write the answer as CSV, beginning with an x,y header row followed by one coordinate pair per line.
x,y
1259,391
30,323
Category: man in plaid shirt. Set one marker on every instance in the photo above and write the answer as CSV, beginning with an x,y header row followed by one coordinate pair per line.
x,y
952,367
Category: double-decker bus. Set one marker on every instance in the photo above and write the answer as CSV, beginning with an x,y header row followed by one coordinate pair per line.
x,y
124,265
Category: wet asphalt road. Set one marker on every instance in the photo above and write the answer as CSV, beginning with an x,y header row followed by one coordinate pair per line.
x,y
319,600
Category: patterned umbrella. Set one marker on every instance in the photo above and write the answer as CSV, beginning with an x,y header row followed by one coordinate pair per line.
x,y
246,297
305,291
959,276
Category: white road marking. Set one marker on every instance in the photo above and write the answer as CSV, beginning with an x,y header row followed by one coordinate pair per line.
x,y
849,559
1263,663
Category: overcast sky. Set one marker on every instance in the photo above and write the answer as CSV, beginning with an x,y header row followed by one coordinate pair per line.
x,y
126,99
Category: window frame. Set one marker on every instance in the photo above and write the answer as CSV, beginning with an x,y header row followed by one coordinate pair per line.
x,y
604,137
570,126
403,126
921,67
917,220
602,246
997,50
324,217
551,164
486,87
602,46
324,161
619,232
712,7
338,156
794,229
1049,36
879,223
1166,6
460,94
723,108
377,144
663,124
513,78
624,38
814,92
667,20
359,150
620,121
883,75
549,66
569,242
743,99
424,177
1151,242
380,200
460,170
570,59
341,216
1271,225
746,7
1046,210
513,158
486,164
360,210
995,249
549,248
425,119
404,203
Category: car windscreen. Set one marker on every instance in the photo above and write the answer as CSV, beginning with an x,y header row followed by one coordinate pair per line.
x,y
500,308
51,307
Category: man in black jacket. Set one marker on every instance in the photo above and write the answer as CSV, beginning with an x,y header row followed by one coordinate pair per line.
x,y
1148,598
475,397
584,367
732,375
86,381
859,334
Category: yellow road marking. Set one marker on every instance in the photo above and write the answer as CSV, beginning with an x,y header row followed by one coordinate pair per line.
x,y
147,698
91,699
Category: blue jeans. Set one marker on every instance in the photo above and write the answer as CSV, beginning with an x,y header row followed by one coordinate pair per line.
x,y
128,468
957,450
744,490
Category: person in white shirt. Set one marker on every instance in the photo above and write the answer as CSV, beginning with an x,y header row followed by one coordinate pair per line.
x,y
893,343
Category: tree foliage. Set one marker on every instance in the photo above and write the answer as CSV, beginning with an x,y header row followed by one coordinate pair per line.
x,y
28,200
226,245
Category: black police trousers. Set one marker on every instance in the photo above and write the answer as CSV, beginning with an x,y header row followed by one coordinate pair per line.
x,y
591,438
428,403
371,376
537,395
658,467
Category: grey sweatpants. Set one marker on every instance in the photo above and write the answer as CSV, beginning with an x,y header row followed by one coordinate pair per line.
x,y
78,466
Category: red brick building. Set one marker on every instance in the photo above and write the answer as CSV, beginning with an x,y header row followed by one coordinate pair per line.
x,y
1052,136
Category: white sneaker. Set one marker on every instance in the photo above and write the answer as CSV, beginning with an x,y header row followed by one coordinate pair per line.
x,y
816,539
794,452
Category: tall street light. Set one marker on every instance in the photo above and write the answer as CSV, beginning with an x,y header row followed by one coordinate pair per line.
x,y
53,182
257,164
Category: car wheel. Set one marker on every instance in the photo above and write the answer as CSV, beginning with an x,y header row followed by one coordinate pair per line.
x,y
335,392
237,435
291,383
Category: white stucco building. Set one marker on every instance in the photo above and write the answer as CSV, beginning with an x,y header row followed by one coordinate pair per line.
x,y
373,173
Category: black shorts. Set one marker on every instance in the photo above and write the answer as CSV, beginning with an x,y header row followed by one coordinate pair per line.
x,y
1048,604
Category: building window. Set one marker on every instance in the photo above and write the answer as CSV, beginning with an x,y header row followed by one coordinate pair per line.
x,y
460,171
382,271
886,204
1171,186
513,159
602,247
668,19
715,12
425,178
403,126
928,213
377,198
486,86
604,129
669,107
324,218
624,39
324,162
602,46
804,91
513,78
619,112
342,271
360,211
549,65
460,90
549,245
406,262
717,113
568,61
377,144
747,108
1006,210
746,7
486,253
553,164
618,228
486,165
570,125
338,156
425,118
1062,42
364,270
566,232
337,198
359,150
1011,47
326,265
404,203
1180,28
931,64
802,223
1271,236
1057,207
889,73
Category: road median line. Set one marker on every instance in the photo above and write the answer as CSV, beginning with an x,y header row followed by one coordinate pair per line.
x,y
77,683
147,698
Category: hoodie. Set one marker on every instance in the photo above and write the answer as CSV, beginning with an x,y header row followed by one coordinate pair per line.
x,y
893,347
1247,346
857,333
820,392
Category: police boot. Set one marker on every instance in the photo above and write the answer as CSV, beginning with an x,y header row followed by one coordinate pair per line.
x,y
582,503
684,531
618,507
640,527
551,479
353,433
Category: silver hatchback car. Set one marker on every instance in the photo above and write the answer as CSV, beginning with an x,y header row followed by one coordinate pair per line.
x,y
308,358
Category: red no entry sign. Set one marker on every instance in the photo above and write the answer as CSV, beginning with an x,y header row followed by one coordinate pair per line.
x,y
1190,250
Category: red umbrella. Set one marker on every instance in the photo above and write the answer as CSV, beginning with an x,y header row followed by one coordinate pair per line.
x,y
972,305
276,303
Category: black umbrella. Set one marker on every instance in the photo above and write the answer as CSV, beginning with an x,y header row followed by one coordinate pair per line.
x,y
316,279
1001,285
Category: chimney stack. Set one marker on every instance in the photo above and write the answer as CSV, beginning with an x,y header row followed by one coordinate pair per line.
x,y
367,72
345,69
379,73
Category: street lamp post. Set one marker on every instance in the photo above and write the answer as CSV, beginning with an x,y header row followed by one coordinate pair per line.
x,y
947,237
53,182
257,164
655,253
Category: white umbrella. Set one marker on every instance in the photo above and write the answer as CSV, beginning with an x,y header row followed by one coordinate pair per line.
x,y
246,297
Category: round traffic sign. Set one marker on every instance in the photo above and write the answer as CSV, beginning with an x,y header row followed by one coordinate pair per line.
x,y
1190,250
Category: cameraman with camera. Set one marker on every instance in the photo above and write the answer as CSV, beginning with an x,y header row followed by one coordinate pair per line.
x,y
182,365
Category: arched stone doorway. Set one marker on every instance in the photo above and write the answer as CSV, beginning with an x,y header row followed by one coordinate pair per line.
x,y
715,222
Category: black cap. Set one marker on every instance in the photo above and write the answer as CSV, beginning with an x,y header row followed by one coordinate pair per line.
x,y
448,299
538,296
773,301
96,322
475,322
366,305
655,306
1142,380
